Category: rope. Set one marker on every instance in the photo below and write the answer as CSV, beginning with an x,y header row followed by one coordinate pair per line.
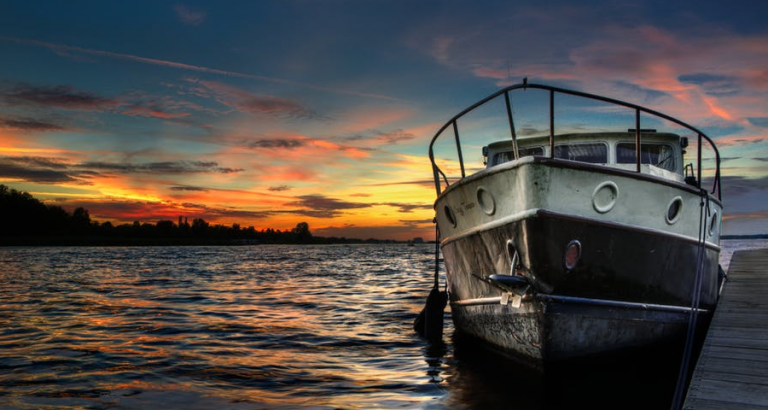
x,y
677,401
437,257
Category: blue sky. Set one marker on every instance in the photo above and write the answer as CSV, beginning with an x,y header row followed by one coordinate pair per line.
x,y
268,113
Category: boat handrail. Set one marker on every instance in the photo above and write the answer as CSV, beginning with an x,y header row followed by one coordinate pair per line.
x,y
558,90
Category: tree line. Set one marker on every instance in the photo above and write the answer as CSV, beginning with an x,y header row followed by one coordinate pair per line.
x,y
25,220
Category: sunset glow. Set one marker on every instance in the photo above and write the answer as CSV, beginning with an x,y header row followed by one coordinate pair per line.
x,y
267,114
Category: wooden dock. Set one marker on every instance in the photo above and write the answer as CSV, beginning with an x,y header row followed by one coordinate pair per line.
x,y
732,370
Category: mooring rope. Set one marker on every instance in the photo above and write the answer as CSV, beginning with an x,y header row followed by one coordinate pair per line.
x,y
677,401
437,257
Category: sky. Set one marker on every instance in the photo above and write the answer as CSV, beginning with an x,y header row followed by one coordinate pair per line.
x,y
273,112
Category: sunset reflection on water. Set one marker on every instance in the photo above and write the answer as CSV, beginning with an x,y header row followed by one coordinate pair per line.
x,y
262,327
245,327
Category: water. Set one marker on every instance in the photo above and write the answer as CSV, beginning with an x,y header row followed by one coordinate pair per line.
x,y
266,327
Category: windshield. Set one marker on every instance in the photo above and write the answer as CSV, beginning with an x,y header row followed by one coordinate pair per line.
x,y
596,153
660,155
507,156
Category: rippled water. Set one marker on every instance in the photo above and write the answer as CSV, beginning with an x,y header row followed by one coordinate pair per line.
x,y
250,328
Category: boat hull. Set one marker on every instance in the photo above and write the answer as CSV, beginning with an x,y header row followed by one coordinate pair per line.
x,y
632,285
543,329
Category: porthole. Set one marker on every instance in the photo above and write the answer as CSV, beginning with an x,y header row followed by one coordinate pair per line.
x,y
713,223
674,210
450,216
486,201
604,196
572,255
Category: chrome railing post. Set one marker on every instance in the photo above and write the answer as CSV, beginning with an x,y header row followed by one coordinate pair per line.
x,y
551,123
436,174
699,165
511,125
458,148
637,139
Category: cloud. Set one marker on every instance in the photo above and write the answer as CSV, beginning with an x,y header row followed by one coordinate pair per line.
x,y
29,124
407,208
44,162
737,140
40,170
54,170
759,121
697,71
757,215
61,48
248,102
648,95
531,131
138,110
737,185
298,147
189,188
423,183
165,167
189,16
383,138
320,206
279,143
212,212
713,84
280,188
60,96
136,104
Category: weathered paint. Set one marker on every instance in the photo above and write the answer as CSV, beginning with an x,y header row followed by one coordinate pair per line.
x,y
630,253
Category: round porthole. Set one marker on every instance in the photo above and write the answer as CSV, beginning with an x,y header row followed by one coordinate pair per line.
x,y
450,216
674,210
486,201
713,223
572,255
604,197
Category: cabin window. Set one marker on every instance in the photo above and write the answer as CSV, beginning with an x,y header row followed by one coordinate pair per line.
x,y
507,156
596,153
660,155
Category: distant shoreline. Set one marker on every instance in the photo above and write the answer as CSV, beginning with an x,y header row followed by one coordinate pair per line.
x,y
56,241
758,236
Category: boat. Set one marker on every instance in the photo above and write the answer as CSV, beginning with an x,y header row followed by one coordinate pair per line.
x,y
575,224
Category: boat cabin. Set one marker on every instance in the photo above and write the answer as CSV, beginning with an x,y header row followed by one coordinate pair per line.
x,y
661,154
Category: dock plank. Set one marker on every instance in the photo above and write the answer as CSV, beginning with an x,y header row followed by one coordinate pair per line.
x,y
732,370
730,352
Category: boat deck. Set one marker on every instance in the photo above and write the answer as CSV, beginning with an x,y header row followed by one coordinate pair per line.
x,y
732,370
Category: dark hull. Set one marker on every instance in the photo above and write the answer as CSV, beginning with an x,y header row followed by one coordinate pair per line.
x,y
630,288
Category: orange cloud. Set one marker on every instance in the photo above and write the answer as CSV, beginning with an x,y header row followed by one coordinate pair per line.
x,y
653,60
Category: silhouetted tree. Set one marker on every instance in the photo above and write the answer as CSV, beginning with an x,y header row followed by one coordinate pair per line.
x,y
58,219
22,215
301,233
81,220
164,228
199,227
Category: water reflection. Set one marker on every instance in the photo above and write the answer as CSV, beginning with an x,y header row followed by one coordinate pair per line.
x,y
475,376
264,327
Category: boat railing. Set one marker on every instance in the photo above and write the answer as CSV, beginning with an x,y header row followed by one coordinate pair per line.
x,y
638,110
